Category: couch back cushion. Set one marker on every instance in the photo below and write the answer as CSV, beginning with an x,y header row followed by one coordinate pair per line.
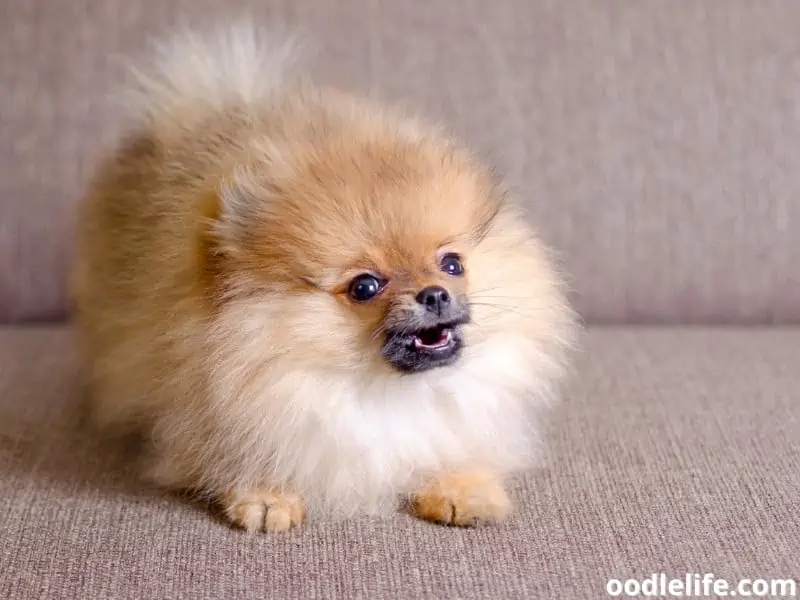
x,y
657,146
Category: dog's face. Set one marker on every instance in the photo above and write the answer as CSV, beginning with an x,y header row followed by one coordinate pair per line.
x,y
381,253
412,301
425,315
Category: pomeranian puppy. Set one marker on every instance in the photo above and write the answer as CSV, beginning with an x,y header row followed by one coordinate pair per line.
x,y
311,304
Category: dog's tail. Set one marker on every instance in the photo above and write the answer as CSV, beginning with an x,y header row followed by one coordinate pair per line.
x,y
194,73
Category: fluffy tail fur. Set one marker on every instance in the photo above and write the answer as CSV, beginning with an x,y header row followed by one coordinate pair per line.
x,y
193,73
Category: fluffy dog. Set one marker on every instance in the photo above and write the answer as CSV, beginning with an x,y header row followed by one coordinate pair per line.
x,y
310,303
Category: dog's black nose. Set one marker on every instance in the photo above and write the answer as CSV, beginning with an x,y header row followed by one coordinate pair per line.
x,y
434,298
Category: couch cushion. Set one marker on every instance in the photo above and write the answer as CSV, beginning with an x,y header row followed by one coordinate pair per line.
x,y
658,148
676,451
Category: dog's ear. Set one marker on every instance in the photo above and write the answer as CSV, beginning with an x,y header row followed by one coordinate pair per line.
x,y
235,205
496,198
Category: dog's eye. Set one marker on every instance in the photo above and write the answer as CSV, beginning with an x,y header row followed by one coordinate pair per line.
x,y
365,287
451,264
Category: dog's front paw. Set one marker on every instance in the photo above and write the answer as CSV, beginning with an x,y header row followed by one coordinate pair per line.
x,y
462,499
264,509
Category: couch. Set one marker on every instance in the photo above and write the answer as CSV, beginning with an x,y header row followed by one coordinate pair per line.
x,y
658,147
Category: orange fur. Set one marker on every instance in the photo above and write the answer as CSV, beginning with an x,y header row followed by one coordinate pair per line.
x,y
215,252
465,499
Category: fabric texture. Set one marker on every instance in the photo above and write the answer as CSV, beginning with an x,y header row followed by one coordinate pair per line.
x,y
657,147
675,451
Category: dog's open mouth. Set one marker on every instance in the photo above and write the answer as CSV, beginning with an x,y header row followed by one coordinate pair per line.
x,y
436,338
423,349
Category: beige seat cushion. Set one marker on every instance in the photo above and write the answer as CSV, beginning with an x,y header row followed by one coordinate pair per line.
x,y
676,451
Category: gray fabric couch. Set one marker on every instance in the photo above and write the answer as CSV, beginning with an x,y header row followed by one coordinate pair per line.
x,y
659,147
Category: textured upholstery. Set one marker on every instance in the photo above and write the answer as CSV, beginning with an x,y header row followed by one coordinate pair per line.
x,y
676,451
657,147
